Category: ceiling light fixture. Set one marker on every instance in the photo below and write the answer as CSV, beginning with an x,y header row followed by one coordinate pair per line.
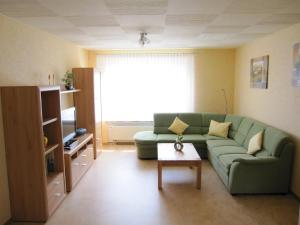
x,y
143,39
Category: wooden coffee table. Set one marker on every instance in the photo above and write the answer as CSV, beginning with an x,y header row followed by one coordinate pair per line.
x,y
168,156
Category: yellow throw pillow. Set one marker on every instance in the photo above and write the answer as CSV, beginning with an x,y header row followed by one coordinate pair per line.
x,y
178,126
255,143
218,129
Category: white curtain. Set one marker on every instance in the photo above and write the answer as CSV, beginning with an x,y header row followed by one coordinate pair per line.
x,y
134,86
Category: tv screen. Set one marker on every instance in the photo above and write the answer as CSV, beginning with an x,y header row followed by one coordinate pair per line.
x,y
68,118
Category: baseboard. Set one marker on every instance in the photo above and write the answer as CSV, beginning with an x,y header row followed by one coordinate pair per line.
x,y
124,143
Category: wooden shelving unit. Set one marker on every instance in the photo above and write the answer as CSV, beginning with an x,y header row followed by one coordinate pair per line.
x,y
86,80
36,172
69,91
47,121
50,148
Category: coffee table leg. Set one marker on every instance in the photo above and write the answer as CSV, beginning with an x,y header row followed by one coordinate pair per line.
x,y
159,177
199,175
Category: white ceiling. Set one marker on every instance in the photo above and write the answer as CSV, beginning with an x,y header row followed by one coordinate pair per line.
x,y
110,24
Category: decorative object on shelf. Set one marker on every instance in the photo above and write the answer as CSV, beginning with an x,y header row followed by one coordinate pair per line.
x,y
50,163
143,39
178,143
49,79
45,141
68,80
296,65
53,79
259,72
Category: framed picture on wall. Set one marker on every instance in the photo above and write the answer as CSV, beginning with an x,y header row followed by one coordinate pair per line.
x,y
259,72
296,65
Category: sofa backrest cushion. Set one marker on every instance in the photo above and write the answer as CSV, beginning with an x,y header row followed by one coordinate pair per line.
x,y
162,122
243,130
207,117
274,140
255,128
235,123
194,120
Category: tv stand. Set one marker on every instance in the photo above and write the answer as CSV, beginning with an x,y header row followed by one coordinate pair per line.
x,y
70,144
78,159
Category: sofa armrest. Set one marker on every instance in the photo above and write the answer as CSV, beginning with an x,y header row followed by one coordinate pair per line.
x,y
145,137
261,174
258,161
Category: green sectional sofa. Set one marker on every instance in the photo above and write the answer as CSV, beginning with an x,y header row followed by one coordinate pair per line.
x,y
268,171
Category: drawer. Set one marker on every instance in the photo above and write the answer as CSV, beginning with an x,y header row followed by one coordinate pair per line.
x,y
75,169
57,181
86,157
55,192
81,164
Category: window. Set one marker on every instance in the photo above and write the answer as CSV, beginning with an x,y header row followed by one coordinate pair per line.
x,y
134,86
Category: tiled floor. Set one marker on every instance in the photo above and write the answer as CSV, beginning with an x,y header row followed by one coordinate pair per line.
x,y
119,189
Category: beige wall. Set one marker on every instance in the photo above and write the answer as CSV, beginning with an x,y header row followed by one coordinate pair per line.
x,y
27,56
214,70
279,105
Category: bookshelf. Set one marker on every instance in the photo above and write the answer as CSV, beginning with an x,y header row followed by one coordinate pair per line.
x,y
35,170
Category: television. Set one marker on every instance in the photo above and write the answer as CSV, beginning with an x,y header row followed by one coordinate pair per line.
x,y
68,119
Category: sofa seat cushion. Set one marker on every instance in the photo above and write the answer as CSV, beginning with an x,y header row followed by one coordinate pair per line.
x,y
210,137
225,150
168,138
194,138
227,159
216,143
145,137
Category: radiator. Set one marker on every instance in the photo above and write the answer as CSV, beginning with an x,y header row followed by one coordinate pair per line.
x,y
123,132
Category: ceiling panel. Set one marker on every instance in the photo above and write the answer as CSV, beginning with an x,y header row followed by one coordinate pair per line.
x,y
76,7
190,19
141,21
98,30
109,37
24,9
293,7
224,29
92,20
197,6
18,1
137,30
169,23
264,29
257,6
179,37
47,22
282,19
73,31
175,30
213,36
238,19
137,7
